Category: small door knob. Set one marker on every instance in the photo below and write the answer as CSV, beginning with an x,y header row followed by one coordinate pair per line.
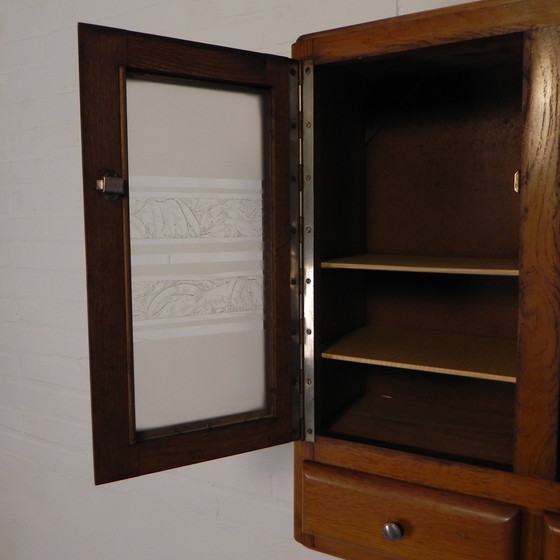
x,y
392,531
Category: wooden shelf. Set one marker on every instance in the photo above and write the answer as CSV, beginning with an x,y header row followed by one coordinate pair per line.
x,y
447,353
441,265
430,427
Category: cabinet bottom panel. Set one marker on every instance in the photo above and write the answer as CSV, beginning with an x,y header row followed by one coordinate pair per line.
x,y
430,414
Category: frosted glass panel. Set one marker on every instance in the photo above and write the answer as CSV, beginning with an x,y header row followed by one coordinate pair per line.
x,y
195,155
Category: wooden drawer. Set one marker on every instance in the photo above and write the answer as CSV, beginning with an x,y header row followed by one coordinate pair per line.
x,y
353,508
551,537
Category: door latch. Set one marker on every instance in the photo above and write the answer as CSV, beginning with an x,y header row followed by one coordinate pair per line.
x,y
516,182
110,186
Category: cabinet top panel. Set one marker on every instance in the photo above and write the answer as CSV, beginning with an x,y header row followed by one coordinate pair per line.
x,y
435,27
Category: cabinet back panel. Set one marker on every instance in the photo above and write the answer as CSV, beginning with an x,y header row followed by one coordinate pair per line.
x,y
475,305
441,165
416,152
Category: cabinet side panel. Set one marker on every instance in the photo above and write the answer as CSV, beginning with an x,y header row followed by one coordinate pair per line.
x,y
539,352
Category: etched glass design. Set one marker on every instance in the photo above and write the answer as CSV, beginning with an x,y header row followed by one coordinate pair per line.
x,y
196,236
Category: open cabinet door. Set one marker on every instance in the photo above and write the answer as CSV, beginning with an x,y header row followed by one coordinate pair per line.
x,y
191,242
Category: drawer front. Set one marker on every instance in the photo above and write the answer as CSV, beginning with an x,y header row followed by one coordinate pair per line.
x,y
358,509
551,537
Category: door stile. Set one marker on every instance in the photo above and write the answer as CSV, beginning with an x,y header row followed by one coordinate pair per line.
x,y
102,54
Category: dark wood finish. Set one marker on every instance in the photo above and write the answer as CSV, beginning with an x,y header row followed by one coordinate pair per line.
x,y
539,351
443,146
551,540
452,417
105,57
110,352
340,158
415,158
483,306
352,507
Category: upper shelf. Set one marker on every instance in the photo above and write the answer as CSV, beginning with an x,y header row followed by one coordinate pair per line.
x,y
442,265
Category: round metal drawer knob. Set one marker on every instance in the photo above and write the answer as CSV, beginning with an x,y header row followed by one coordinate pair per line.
x,y
392,531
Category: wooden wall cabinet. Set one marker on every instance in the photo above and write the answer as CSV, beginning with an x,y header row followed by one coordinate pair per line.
x,y
435,357
412,277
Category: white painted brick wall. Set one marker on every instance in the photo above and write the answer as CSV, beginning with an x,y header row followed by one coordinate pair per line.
x,y
232,509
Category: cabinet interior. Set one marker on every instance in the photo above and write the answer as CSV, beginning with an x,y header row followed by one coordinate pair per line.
x,y
418,238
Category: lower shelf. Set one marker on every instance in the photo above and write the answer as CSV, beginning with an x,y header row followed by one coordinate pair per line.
x,y
440,352
442,429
